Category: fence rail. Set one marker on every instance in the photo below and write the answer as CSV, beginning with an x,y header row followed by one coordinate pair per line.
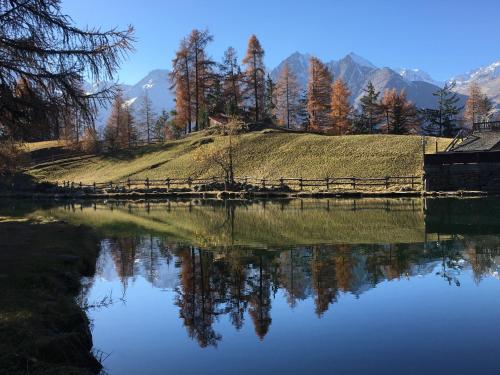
x,y
295,184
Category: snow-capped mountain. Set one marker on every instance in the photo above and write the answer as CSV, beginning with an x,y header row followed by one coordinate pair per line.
x,y
357,71
156,84
417,75
488,79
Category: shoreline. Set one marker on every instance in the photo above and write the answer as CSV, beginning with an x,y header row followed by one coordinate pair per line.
x,y
222,195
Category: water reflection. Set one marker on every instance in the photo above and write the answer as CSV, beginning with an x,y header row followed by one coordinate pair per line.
x,y
240,282
347,286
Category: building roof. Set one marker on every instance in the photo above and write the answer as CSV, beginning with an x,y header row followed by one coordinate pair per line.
x,y
479,141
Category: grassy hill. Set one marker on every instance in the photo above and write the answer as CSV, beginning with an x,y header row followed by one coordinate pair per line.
x,y
263,154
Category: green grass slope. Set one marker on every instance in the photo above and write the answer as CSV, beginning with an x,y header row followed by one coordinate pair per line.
x,y
263,154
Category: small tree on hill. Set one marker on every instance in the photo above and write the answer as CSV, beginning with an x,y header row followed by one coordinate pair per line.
x,y
443,119
319,95
255,76
401,114
287,97
341,109
146,116
478,106
371,113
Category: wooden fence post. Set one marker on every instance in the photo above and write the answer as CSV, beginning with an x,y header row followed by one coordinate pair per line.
x,y
147,183
353,183
111,185
282,183
94,186
327,182
128,183
301,184
412,182
80,185
190,182
263,181
387,182
168,183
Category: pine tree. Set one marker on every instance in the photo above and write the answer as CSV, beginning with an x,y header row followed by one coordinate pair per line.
x,y
341,109
444,117
287,97
371,112
255,76
231,78
270,99
319,95
303,120
478,106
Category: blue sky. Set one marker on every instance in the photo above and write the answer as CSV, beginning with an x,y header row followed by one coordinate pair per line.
x,y
442,37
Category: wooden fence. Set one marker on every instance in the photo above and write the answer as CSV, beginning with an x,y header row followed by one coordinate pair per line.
x,y
295,184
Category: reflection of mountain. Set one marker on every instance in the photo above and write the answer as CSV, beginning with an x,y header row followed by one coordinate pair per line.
x,y
240,282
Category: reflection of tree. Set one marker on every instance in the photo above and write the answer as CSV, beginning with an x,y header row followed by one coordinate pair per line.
x,y
323,276
344,264
123,251
260,297
294,274
196,296
237,296
235,281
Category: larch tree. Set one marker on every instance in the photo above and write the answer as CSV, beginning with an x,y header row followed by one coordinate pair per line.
x,y
371,112
478,106
341,109
400,113
116,127
147,116
255,76
201,68
180,77
287,97
319,95
42,45
231,82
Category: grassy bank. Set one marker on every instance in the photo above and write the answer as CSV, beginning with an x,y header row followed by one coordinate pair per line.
x,y
42,328
263,154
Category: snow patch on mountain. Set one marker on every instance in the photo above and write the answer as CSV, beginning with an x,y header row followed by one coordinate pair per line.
x,y
412,75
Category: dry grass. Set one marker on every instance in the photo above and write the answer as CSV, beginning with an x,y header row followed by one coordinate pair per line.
x,y
263,154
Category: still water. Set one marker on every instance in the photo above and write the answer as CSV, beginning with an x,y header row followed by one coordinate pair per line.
x,y
298,287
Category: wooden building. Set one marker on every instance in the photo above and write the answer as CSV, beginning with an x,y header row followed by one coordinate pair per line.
x,y
472,164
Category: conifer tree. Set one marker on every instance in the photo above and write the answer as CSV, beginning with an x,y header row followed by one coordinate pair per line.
x,y
319,95
270,99
478,106
116,126
371,112
400,113
255,76
341,109
147,116
231,78
444,117
201,67
287,97
180,77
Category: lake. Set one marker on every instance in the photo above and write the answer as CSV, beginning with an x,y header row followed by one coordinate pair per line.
x,y
362,286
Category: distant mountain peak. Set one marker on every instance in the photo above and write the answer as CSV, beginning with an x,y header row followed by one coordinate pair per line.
x,y
414,74
360,60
